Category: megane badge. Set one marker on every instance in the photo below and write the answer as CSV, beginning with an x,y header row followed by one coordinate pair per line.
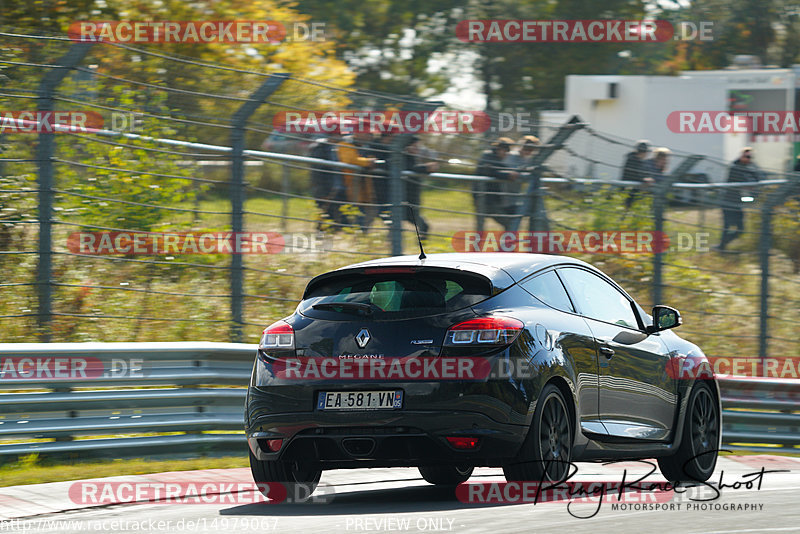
x,y
362,338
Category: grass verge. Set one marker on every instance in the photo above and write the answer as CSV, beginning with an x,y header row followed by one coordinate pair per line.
x,y
32,470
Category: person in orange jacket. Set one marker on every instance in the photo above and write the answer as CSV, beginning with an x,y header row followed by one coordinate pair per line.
x,y
358,186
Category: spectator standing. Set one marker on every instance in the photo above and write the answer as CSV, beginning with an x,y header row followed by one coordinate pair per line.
x,y
357,184
635,169
655,168
327,185
381,149
741,170
413,184
363,140
520,159
494,163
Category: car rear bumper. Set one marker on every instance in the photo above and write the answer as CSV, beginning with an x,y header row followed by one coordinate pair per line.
x,y
383,439
410,436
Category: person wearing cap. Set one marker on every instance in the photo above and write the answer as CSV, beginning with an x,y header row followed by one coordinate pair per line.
x,y
742,170
635,169
521,158
494,163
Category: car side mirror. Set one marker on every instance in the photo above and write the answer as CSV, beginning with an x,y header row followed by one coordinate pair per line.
x,y
664,318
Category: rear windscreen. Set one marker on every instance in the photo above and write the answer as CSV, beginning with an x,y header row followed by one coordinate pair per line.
x,y
396,295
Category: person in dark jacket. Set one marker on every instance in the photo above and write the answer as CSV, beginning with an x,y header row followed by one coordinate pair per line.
x,y
741,170
413,184
327,184
655,168
635,169
381,149
493,163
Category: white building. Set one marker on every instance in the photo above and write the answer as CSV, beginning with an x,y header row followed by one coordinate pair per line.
x,y
637,107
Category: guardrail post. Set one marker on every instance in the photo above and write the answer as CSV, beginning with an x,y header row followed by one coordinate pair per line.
x,y
662,187
237,192
545,151
44,157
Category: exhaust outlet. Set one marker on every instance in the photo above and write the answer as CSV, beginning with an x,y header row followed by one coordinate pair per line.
x,y
358,446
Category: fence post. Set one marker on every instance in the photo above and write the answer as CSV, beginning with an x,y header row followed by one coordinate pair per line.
x,y
44,157
397,180
237,192
545,151
479,190
765,244
285,183
661,189
537,221
396,193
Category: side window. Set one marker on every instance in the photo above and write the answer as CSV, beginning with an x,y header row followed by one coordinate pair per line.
x,y
549,289
598,299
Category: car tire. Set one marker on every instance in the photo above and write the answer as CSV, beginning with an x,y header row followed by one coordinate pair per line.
x,y
546,452
300,480
445,475
696,456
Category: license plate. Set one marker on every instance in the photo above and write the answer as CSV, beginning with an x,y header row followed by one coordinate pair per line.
x,y
360,400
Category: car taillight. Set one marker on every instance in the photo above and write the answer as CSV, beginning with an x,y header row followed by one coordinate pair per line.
x,y
484,331
279,335
459,442
274,445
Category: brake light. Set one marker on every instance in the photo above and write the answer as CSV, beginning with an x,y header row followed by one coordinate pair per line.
x,y
279,335
390,270
484,331
459,442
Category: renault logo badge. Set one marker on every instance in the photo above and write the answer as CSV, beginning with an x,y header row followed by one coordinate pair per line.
x,y
362,338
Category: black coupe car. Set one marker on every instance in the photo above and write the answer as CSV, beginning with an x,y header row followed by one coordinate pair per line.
x,y
520,361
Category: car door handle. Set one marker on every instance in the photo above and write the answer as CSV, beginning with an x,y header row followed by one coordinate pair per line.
x,y
608,352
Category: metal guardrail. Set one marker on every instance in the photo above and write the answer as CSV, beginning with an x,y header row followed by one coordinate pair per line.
x,y
760,414
146,399
193,391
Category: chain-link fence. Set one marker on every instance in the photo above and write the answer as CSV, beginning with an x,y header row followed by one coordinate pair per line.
x,y
183,147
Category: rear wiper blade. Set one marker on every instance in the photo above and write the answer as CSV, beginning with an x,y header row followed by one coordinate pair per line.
x,y
358,307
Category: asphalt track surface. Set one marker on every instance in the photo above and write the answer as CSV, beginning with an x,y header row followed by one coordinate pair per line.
x,y
398,500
